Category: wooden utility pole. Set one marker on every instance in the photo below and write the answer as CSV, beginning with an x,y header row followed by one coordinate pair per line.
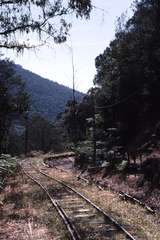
x,y
73,97
43,138
26,134
73,76
94,129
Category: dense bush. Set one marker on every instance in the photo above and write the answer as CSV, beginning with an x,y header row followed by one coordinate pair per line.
x,y
8,166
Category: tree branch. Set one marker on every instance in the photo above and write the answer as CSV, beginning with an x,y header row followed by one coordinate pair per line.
x,y
31,25
7,2
3,2
20,47
22,27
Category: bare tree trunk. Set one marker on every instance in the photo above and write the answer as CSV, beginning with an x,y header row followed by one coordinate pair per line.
x,y
26,135
94,133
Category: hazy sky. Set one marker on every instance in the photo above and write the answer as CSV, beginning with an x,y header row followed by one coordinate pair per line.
x,y
89,39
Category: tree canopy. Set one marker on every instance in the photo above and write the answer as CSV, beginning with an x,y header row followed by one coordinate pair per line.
x,y
127,81
13,99
128,71
45,18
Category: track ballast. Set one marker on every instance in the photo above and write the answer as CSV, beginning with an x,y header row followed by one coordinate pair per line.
x,y
83,219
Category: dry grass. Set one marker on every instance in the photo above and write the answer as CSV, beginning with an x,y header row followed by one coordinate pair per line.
x,y
133,217
27,213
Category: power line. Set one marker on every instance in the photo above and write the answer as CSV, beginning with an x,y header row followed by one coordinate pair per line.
x,y
101,9
124,99
119,102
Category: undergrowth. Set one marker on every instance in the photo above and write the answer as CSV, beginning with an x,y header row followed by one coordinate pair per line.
x,y
8,167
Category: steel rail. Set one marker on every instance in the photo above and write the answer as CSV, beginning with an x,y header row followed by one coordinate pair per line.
x,y
71,228
132,199
125,196
119,226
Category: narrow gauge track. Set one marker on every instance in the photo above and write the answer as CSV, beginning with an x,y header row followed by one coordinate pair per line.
x,y
81,216
123,195
71,228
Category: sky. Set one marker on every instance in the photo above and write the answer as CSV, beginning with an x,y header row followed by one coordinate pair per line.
x,y
87,38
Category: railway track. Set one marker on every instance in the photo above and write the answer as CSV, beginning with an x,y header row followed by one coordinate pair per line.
x,y
123,195
83,219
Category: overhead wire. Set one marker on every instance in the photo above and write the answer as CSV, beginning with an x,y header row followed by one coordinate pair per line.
x,y
124,99
120,101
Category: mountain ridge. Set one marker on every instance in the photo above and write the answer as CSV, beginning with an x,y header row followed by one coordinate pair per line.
x,y
48,98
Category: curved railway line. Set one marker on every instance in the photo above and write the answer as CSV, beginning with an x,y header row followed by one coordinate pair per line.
x,y
123,195
83,219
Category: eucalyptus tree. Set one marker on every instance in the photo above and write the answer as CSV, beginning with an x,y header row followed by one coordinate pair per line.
x,y
13,99
28,19
128,72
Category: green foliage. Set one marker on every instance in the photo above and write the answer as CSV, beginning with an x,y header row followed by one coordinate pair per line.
x,y
13,99
8,166
45,18
128,73
75,118
82,7
84,153
127,92
47,98
43,135
122,166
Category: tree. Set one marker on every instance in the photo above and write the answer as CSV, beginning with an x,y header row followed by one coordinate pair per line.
x,y
43,135
45,18
75,118
13,99
128,74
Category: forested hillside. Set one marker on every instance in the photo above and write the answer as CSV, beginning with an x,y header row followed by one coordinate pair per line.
x,y
124,103
73,165
47,98
128,76
119,119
